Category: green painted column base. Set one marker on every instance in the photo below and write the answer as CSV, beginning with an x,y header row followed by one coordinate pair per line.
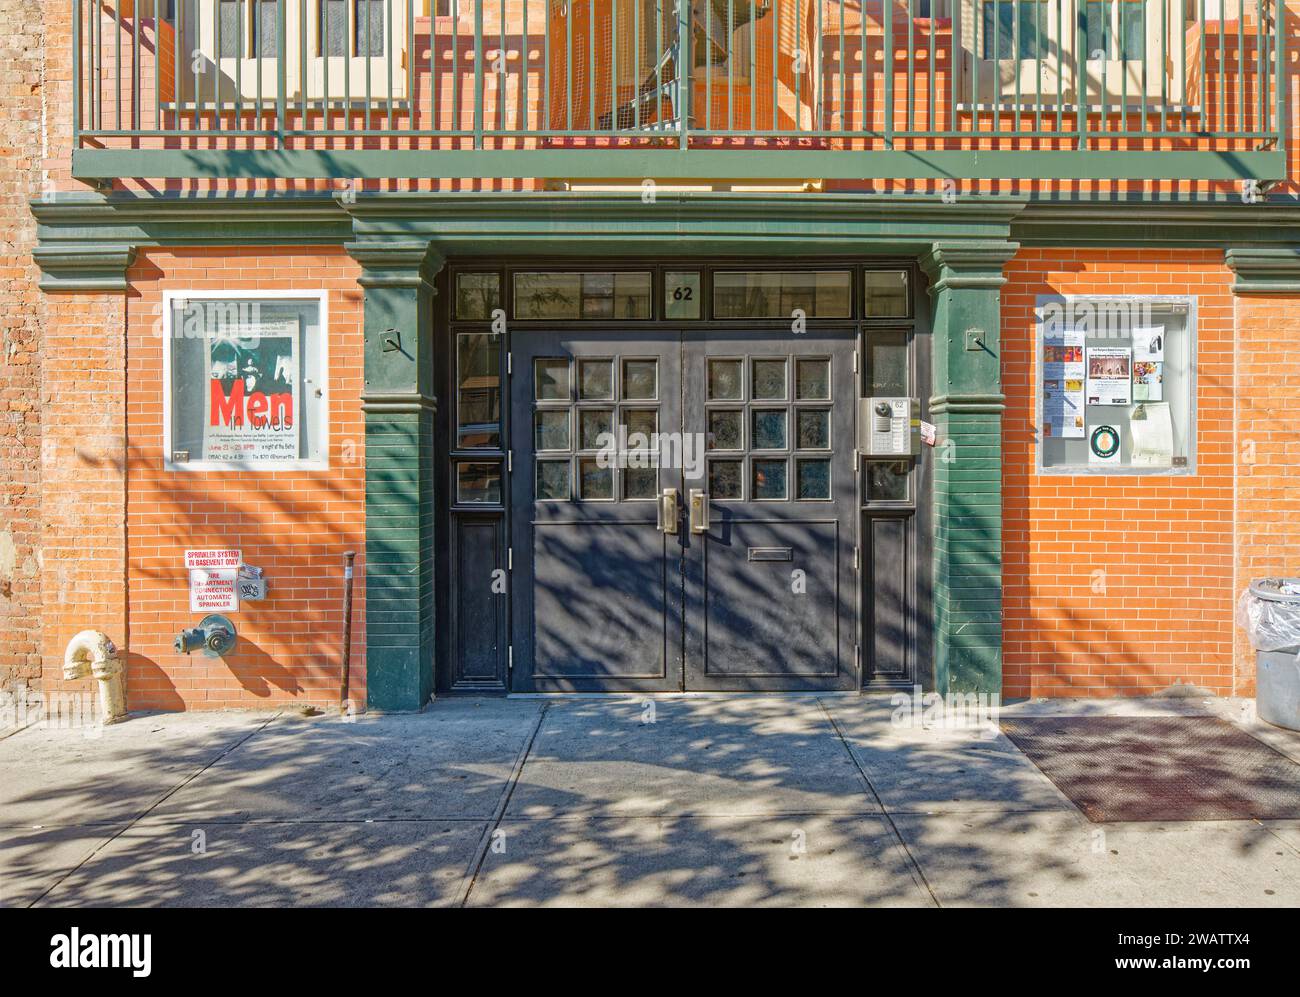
x,y
966,406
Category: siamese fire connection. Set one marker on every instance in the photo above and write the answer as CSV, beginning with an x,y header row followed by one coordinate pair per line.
x,y
92,653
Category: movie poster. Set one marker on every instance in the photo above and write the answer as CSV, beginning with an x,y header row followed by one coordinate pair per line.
x,y
1063,384
253,398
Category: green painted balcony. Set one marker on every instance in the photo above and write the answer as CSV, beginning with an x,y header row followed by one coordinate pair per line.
x,y
758,92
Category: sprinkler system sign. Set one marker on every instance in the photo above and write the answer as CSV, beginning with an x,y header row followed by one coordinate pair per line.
x,y
213,580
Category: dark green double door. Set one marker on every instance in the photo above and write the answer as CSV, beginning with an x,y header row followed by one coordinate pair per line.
x,y
683,511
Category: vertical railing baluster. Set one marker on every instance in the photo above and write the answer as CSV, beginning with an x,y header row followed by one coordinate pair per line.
x,y
818,85
776,63
842,66
568,61
1261,83
1165,11
636,65
997,65
591,65
411,77
281,71
1016,11
478,74
708,64
1081,79
178,67
1241,65
1117,18
135,67
78,67
1279,80
1223,78
523,79
865,104
502,109
753,76
117,60
909,6
613,65
546,68
955,59
887,10
682,98
157,69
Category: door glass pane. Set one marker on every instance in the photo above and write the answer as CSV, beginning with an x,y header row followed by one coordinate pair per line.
x,y
725,382
640,482
813,428
592,425
640,379
478,386
478,481
477,294
553,479
887,480
813,379
594,481
596,380
769,429
769,479
552,429
642,421
724,479
814,479
551,379
769,379
886,294
726,429
887,360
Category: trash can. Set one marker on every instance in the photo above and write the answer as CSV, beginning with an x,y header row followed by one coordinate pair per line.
x,y
1269,610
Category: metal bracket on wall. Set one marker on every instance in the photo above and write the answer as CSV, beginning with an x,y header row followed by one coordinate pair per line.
x,y
391,341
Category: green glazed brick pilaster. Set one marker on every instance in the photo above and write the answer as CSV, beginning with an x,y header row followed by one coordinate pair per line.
x,y
399,407
966,405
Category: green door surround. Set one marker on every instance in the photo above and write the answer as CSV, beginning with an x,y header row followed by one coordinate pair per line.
x,y
401,242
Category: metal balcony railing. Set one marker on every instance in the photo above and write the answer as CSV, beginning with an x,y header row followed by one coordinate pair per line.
x,y
721,89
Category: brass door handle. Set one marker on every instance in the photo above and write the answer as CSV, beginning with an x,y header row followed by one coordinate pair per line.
x,y
667,511
699,511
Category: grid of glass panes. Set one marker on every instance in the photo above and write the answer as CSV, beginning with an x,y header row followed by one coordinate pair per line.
x,y
763,414
595,426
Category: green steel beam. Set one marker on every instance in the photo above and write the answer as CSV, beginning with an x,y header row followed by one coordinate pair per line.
x,y
672,164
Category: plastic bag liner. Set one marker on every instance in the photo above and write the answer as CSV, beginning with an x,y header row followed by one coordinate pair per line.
x,y
1269,611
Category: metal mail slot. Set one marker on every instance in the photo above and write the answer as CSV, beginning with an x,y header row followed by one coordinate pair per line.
x,y
771,553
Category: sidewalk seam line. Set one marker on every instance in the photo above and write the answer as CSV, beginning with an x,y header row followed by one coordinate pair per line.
x,y
470,878
153,806
884,811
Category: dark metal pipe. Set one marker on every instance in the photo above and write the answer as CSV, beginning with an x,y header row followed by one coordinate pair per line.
x,y
348,558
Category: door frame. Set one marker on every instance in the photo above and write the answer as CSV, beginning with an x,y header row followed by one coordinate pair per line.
x,y
452,517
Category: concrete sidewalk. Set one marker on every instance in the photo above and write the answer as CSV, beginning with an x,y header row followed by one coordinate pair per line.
x,y
738,801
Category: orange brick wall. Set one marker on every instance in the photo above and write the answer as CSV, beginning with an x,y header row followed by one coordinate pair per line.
x,y
295,525
1267,450
20,360
83,475
1165,543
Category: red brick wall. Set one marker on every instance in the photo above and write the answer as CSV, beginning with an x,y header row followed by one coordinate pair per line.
x,y
83,474
1267,450
20,368
1165,543
296,525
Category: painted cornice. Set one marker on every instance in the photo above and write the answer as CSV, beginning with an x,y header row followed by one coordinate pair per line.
x,y
973,264
91,267
395,262
1264,271
82,235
